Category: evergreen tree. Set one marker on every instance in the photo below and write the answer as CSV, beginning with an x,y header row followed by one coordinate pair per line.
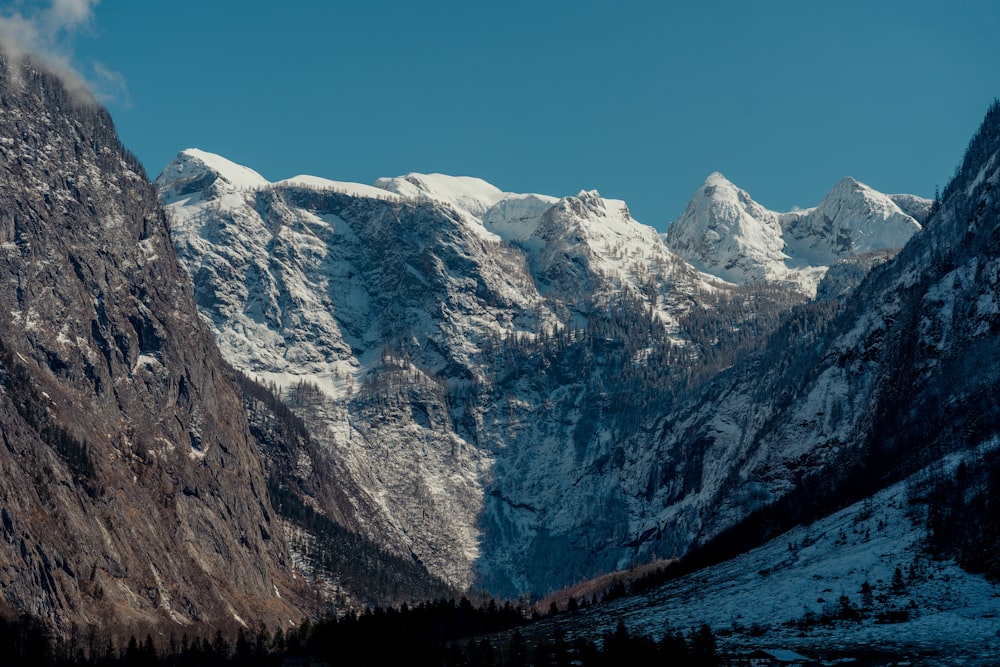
x,y
867,596
898,583
702,647
517,651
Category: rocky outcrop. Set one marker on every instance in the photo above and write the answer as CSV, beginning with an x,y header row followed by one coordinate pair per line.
x,y
130,490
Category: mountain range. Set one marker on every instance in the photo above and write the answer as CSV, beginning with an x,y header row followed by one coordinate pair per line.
x,y
210,385
522,346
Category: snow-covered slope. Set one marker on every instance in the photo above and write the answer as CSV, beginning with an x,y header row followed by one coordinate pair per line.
x,y
723,231
791,593
465,192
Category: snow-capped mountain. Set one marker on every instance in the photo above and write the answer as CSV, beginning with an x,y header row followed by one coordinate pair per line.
x,y
852,219
440,318
516,390
724,232
513,381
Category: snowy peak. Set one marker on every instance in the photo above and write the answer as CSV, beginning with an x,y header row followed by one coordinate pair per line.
x,y
195,170
599,217
585,249
860,197
728,202
465,192
852,219
723,231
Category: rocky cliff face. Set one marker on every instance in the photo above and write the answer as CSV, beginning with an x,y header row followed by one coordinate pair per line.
x,y
130,491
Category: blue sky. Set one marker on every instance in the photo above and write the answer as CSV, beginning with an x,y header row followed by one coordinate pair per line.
x,y
640,100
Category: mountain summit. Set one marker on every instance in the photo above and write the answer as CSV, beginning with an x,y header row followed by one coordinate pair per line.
x,y
852,219
724,232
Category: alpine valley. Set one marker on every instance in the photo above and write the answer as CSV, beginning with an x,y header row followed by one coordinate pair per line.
x,y
489,370
226,401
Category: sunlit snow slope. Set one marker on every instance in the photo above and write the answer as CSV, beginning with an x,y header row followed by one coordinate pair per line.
x,y
723,231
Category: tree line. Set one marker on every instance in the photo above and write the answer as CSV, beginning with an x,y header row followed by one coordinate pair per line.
x,y
442,633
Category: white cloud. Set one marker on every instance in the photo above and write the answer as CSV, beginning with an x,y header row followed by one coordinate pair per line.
x,y
68,14
20,33
109,85
48,32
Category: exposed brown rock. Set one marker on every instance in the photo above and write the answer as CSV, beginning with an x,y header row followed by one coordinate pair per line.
x,y
130,490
